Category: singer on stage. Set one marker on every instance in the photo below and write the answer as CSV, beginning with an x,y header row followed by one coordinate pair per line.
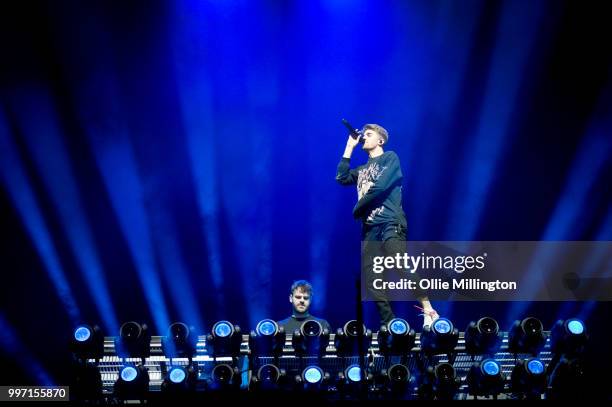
x,y
379,204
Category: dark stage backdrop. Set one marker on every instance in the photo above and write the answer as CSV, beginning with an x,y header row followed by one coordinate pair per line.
x,y
166,161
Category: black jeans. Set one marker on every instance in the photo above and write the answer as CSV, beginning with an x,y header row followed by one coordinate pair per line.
x,y
393,235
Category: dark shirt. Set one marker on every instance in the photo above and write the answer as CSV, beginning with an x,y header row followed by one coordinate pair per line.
x,y
379,189
295,321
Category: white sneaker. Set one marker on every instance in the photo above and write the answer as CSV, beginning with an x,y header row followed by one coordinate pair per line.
x,y
429,318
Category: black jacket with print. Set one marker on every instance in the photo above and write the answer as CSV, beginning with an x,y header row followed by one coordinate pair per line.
x,y
379,188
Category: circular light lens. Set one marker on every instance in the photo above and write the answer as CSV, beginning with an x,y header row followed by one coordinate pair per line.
x,y
532,326
179,331
222,373
352,328
128,374
442,326
399,373
311,328
130,330
354,373
313,375
488,325
177,375
267,327
535,366
82,333
268,373
490,367
398,326
575,327
223,329
445,371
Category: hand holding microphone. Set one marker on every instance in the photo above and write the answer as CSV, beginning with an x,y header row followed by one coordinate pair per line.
x,y
355,137
355,134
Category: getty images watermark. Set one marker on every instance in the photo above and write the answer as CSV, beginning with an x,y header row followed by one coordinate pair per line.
x,y
487,271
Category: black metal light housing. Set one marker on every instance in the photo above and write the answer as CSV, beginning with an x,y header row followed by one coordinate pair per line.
x,y
132,383
347,339
526,336
267,339
529,378
439,337
439,382
396,378
353,379
311,338
225,339
180,379
396,337
87,342
312,378
180,341
568,337
269,377
483,337
486,378
134,340
224,377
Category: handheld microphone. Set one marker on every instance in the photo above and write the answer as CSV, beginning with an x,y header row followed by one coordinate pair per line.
x,y
356,134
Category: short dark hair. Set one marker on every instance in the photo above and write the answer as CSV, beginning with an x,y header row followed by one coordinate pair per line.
x,y
303,285
378,129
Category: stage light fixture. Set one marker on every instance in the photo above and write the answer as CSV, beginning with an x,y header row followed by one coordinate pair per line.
x,y
269,377
353,378
445,382
526,336
439,382
82,334
312,375
267,327
396,378
396,337
225,339
311,338
347,339
483,337
132,383
485,378
224,377
529,378
267,338
353,374
87,343
179,379
439,337
180,341
177,375
568,337
312,378
134,340
398,374
129,374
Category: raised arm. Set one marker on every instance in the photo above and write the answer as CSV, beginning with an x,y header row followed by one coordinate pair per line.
x,y
344,174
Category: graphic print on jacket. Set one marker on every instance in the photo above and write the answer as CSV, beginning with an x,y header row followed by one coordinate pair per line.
x,y
366,178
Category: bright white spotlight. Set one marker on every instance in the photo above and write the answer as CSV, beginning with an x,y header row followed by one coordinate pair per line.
x,y
177,375
312,374
129,374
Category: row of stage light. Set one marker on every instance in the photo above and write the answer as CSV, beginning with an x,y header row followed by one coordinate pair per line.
x,y
268,339
530,376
